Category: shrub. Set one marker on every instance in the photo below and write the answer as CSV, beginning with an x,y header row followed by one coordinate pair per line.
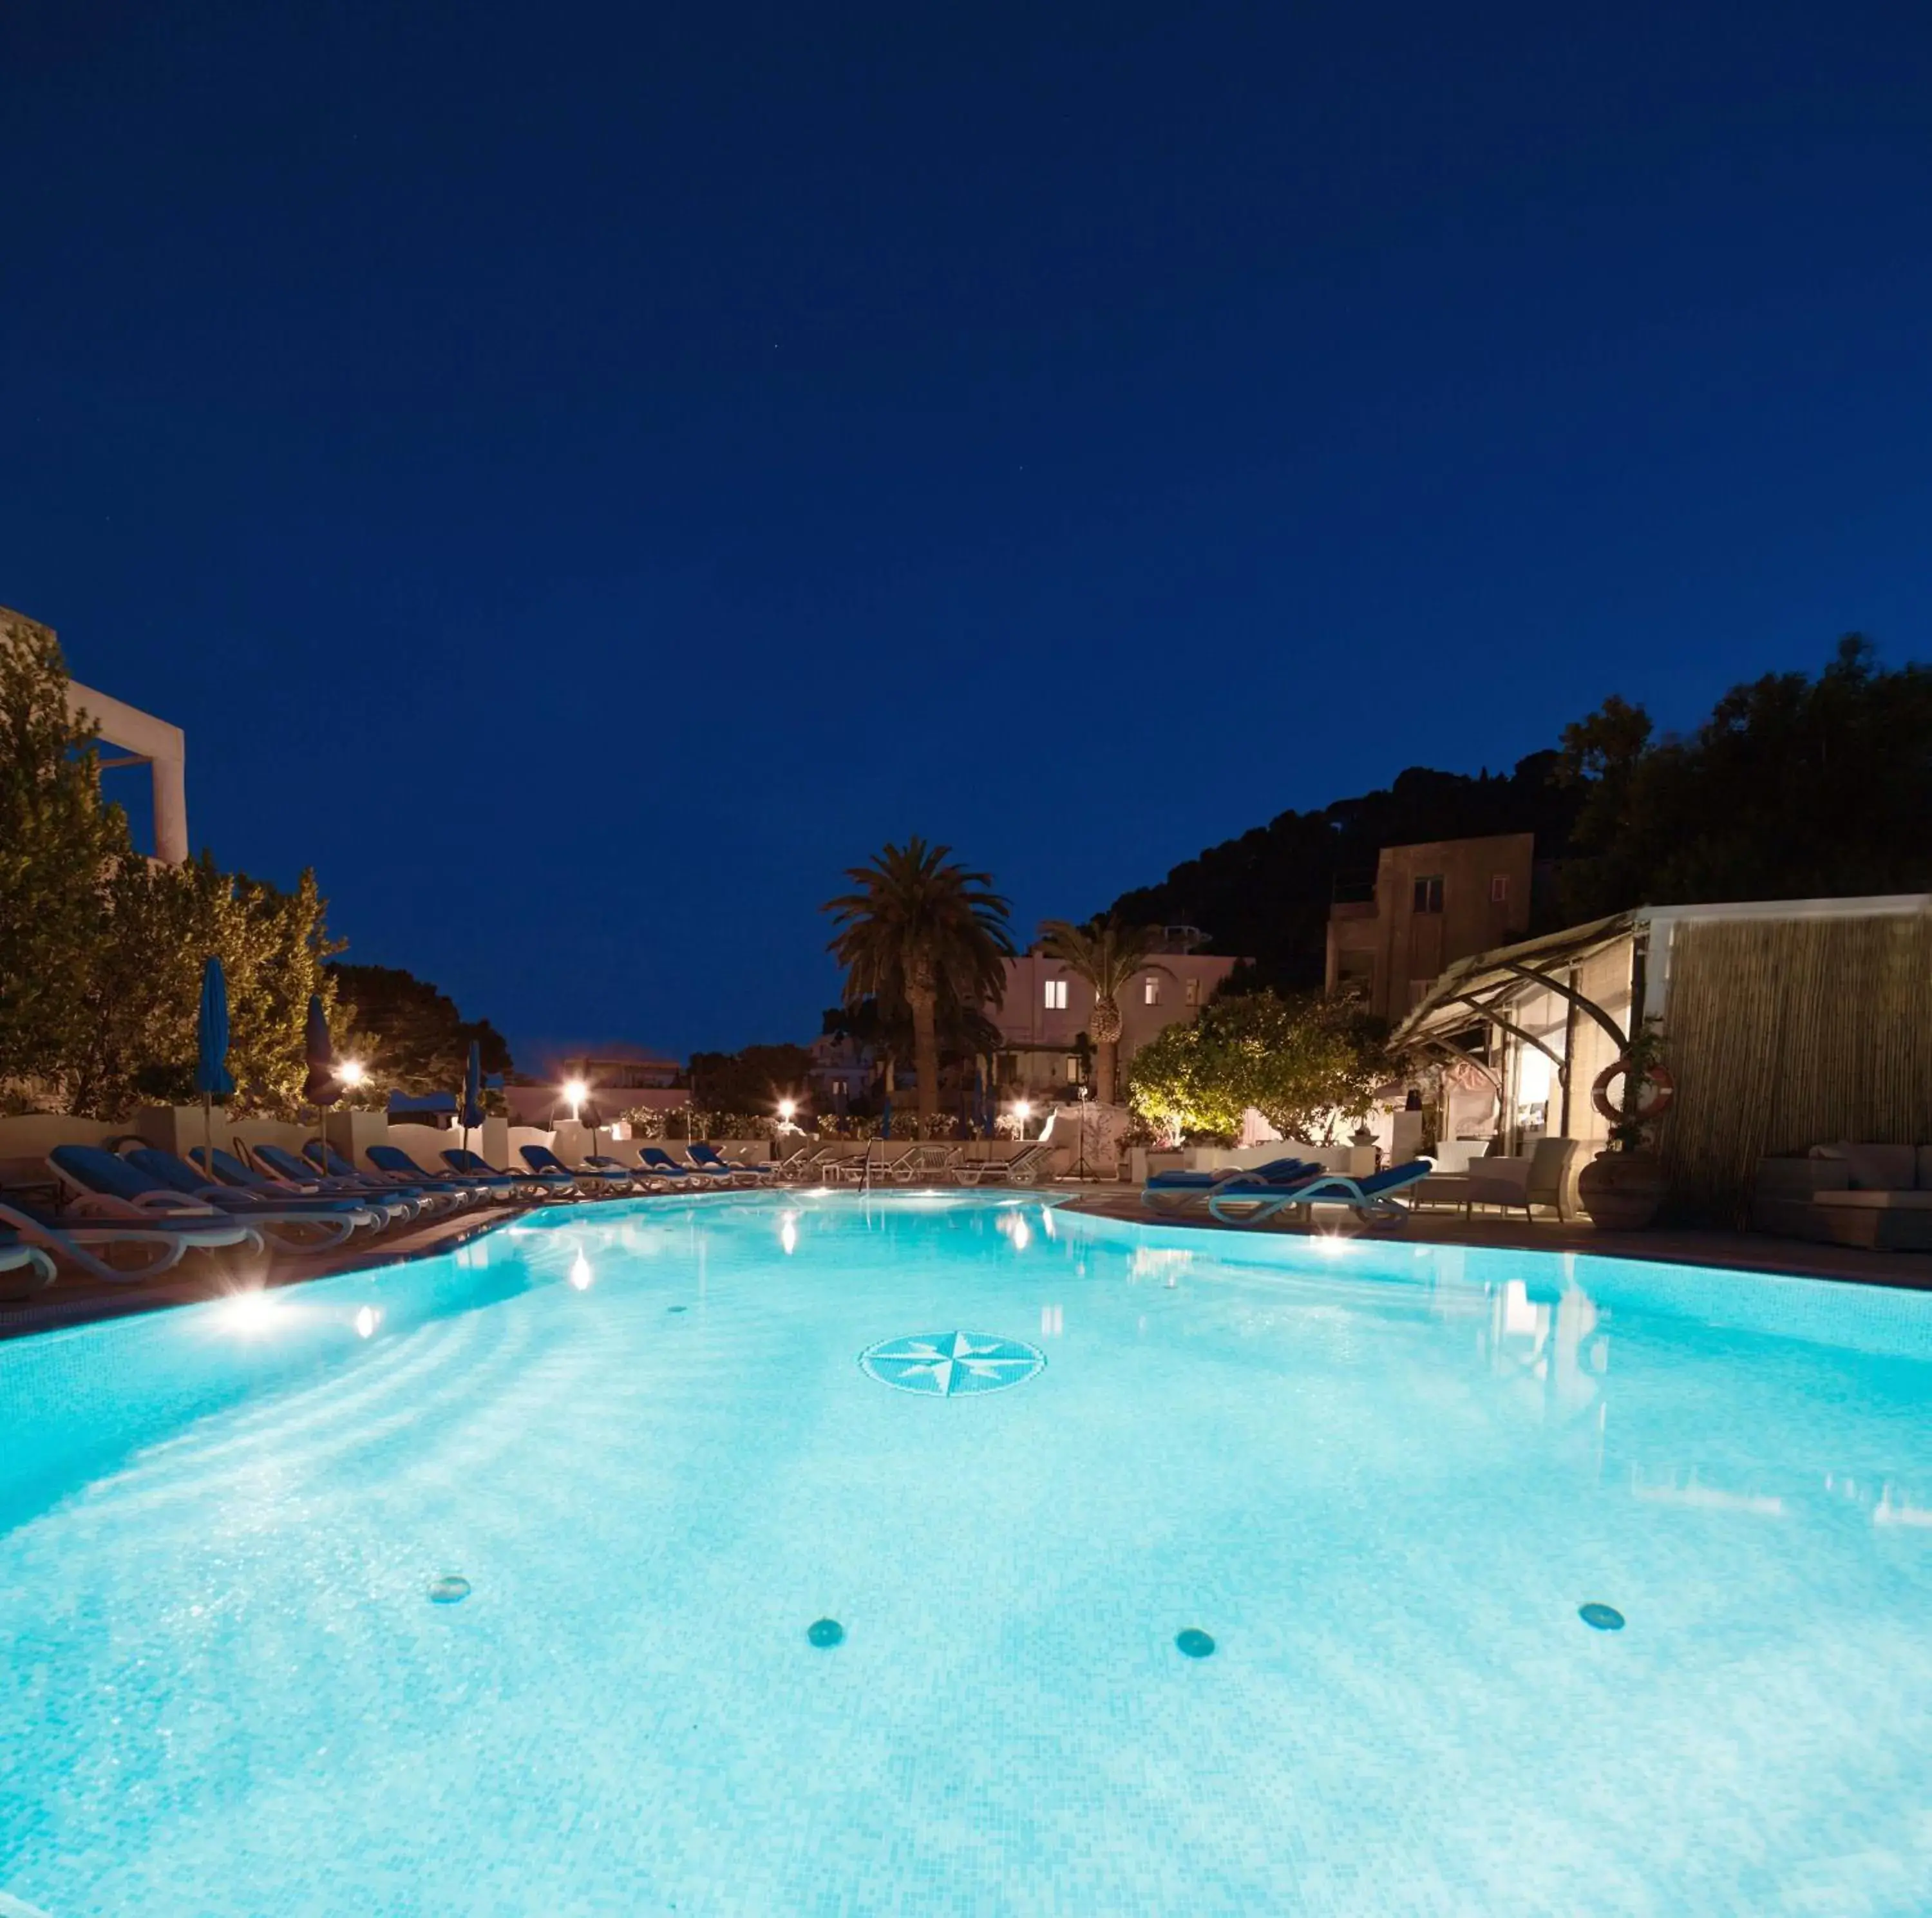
x,y
1304,1064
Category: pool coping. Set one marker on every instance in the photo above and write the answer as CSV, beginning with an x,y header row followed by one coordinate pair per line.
x,y
1727,1251
73,1300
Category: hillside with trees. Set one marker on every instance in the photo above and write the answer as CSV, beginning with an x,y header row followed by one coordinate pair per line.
x,y
1266,895
1796,786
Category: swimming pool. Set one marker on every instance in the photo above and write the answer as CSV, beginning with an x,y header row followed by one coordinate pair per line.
x,y
1002,1459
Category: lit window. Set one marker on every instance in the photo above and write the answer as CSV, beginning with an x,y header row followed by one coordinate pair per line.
x,y
1153,989
1499,889
1073,1069
1056,995
1193,996
1429,894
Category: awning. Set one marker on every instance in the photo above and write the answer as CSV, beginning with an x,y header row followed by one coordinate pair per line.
x,y
1483,986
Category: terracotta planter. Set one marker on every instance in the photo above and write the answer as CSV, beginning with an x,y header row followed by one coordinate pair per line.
x,y
1621,1190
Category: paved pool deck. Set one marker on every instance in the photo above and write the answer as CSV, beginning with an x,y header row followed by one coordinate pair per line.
x,y
76,1299
1756,1251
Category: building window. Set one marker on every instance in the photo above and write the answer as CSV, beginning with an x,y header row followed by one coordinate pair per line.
x,y
1073,1069
1192,994
1429,894
1153,989
1499,889
1056,995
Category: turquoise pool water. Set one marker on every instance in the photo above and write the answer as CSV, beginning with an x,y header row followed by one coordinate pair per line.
x,y
829,1557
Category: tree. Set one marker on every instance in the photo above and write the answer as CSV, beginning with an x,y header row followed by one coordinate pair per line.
x,y
963,1034
409,1034
59,840
101,950
1107,953
141,988
754,1080
919,927
1793,789
1303,1063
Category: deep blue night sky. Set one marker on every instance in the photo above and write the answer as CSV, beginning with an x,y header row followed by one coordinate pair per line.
x,y
584,474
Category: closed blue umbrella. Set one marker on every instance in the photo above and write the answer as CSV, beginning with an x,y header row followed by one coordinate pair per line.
x,y
472,1113
212,1079
321,1089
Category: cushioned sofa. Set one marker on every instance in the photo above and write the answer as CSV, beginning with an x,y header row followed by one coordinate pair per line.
x,y
1849,1194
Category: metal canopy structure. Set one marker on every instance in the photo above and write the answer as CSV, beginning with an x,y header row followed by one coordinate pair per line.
x,y
1484,991
1497,1012
1480,987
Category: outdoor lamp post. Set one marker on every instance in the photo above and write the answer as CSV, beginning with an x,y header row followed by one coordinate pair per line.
x,y
578,1093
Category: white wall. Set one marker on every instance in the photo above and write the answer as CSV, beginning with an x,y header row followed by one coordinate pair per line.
x,y
1025,1018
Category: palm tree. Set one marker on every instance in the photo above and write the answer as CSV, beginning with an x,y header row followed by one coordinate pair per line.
x,y
1107,953
919,930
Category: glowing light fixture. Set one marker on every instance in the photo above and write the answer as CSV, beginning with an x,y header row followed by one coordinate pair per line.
x,y
581,1275
249,1311
351,1072
367,1320
788,1233
787,1109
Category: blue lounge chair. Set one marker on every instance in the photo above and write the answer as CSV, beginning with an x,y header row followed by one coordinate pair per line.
x,y
333,1219
1371,1199
105,1188
494,1188
393,1163
87,1243
281,1164
112,1185
461,1160
337,1175
640,1176
1178,1192
707,1158
656,1159
17,1256
282,1180
589,1179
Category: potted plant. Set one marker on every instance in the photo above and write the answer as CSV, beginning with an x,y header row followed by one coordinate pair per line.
x,y
1623,1186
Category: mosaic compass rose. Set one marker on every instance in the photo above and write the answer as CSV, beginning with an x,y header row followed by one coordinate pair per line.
x,y
949,1365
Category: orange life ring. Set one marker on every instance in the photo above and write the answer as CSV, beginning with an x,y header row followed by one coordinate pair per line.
x,y
1662,1087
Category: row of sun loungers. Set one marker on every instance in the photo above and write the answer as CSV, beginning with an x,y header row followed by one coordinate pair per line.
x,y
134,1214
932,1163
1254,1196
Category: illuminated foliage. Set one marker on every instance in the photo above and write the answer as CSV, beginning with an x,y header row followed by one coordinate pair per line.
x,y
1304,1064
